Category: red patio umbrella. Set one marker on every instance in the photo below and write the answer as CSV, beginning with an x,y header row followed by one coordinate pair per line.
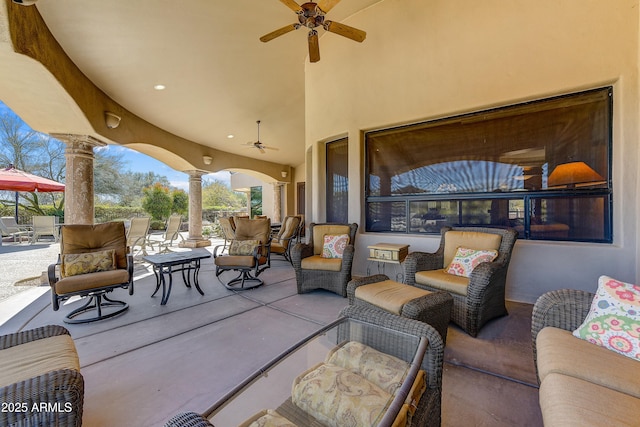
x,y
12,179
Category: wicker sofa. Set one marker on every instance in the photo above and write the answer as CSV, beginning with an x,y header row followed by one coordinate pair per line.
x,y
581,384
40,379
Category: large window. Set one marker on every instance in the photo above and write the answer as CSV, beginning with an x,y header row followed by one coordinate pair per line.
x,y
338,181
541,167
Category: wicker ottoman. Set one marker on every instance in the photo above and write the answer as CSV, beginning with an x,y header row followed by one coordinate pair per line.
x,y
381,293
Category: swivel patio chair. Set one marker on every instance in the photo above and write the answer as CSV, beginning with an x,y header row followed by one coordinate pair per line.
x,y
170,235
137,234
228,230
479,290
282,243
93,262
248,253
326,261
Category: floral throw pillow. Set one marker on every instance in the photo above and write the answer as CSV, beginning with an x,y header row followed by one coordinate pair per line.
x,y
613,321
88,262
466,260
334,245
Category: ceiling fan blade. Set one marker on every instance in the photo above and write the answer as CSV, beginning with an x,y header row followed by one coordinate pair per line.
x,y
327,5
314,46
279,32
345,31
291,5
270,148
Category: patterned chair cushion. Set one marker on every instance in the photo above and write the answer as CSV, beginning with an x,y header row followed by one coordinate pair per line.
x,y
88,262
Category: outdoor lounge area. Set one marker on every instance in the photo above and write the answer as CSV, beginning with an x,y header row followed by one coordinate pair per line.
x,y
398,118
152,362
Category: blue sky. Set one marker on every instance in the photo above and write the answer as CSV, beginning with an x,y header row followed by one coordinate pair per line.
x,y
138,162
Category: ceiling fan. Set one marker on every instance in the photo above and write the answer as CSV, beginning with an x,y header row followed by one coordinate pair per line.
x,y
311,15
259,145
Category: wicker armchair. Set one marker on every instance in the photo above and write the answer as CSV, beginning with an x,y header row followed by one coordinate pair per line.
x,y
477,299
315,272
53,379
564,308
428,409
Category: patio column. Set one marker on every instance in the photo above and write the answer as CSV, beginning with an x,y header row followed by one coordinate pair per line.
x,y
277,201
79,194
195,239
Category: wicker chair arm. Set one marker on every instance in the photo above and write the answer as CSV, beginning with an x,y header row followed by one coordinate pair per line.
x,y
564,308
299,252
484,275
64,388
356,283
347,259
188,419
433,359
11,340
421,261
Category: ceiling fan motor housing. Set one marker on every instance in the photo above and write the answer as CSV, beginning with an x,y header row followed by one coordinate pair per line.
x,y
310,15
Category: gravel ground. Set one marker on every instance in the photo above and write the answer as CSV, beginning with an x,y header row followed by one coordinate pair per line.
x,y
21,261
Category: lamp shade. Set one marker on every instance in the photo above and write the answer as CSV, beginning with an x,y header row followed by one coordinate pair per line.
x,y
574,174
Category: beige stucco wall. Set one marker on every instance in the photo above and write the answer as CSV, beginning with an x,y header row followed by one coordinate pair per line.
x,y
429,59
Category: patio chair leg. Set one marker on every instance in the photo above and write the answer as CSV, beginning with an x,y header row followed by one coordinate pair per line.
x,y
97,302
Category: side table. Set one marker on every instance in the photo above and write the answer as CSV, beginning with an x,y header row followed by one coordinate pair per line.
x,y
388,253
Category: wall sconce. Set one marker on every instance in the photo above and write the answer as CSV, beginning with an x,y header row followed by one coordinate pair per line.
x,y
111,120
207,160
284,174
572,174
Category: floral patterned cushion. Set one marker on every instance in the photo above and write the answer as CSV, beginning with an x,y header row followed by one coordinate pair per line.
x,y
338,397
243,247
385,371
268,418
613,321
88,262
466,260
334,245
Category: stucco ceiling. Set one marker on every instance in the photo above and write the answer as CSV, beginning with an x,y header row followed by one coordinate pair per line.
x,y
219,77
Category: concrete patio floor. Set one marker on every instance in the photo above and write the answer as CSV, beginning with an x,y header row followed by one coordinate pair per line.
x,y
154,361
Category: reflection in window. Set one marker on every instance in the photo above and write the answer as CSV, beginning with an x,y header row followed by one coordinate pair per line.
x,y
521,166
256,201
338,181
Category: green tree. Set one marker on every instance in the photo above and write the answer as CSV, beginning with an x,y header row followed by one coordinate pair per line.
x,y
217,194
180,201
157,201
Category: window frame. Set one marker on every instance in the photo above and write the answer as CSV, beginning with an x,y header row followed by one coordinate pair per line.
x,y
571,194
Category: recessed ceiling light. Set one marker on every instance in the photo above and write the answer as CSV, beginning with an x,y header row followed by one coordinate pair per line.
x,y
230,136
159,87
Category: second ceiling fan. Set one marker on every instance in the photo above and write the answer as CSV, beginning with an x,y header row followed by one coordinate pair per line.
x,y
311,15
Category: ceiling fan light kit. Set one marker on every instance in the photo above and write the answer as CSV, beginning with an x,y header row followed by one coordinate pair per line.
x,y
312,15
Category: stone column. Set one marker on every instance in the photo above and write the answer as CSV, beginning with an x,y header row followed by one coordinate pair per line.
x,y
195,239
277,202
79,193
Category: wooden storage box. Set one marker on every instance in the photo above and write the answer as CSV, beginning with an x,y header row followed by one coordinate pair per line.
x,y
388,252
